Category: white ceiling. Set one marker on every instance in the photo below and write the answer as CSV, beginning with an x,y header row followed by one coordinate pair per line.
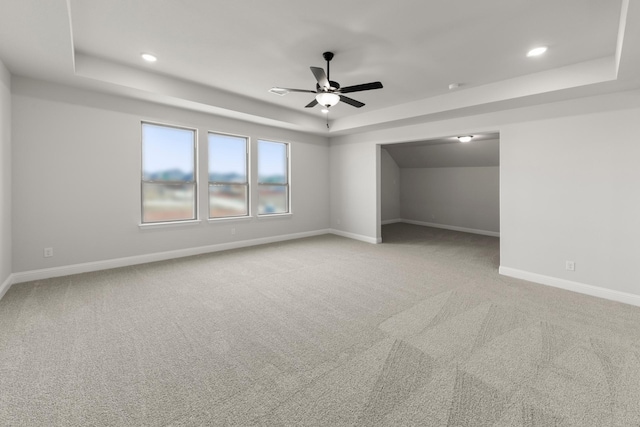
x,y
222,57
482,151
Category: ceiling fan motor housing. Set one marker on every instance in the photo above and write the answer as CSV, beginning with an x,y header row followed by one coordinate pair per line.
x,y
332,84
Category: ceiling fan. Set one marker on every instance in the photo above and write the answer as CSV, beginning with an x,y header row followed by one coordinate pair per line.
x,y
328,92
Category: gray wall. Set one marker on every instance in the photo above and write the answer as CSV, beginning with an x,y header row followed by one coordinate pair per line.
x,y
5,175
459,197
569,191
568,174
390,187
76,178
354,189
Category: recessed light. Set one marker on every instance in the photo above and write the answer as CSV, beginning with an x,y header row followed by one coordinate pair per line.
x,y
149,57
537,51
466,138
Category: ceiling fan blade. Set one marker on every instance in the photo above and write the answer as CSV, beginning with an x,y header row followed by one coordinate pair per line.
x,y
321,77
285,90
311,104
359,88
350,101
302,90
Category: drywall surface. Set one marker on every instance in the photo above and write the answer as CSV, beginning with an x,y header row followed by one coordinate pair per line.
x,y
459,197
389,187
568,185
5,174
76,174
354,198
569,193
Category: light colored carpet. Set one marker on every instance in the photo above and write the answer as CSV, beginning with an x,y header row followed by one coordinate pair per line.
x,y
324,331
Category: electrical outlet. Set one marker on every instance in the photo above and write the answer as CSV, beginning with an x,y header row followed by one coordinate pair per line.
x,y
570,265
233,230
48,252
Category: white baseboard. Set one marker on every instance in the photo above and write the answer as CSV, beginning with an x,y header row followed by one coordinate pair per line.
x,y
66,270
355,236
569,285
4,287
452,227
390,221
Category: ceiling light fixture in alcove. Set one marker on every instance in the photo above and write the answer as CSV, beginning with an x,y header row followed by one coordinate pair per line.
x,y
149,57
537,51
466,138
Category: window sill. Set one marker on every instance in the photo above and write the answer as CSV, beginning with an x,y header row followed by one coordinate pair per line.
x,y
230,219
270,216
169,224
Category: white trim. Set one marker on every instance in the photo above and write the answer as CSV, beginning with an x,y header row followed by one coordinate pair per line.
x,y
355,236
569,285
230,219
4,287
150,225
66,270
390,221
275,215
452,227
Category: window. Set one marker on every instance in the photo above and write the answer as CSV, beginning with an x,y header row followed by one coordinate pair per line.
x,y
273,178
168,173
228,177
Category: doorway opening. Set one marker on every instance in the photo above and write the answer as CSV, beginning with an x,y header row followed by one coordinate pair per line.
x,y
442,184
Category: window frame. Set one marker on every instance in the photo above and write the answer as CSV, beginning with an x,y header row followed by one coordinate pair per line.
x,y
193,182
286,185
247,182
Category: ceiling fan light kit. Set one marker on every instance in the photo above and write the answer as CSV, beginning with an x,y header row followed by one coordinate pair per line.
x,y
327,99
328,92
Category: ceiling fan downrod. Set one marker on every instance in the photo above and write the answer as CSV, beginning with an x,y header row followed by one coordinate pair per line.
x,y
328,56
